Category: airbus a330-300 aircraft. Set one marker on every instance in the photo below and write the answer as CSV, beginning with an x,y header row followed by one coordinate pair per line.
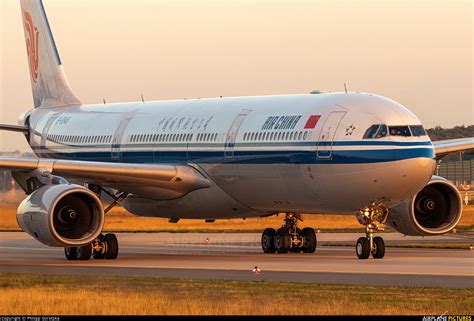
x,y
349,153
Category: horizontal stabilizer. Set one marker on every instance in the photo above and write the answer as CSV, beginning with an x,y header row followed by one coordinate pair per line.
x,y
14,128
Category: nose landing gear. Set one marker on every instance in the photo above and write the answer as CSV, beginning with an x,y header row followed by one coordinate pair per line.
x,y
372,218
289,238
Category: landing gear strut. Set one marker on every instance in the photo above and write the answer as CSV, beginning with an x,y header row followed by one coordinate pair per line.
x,y
103,247
289,238
372,218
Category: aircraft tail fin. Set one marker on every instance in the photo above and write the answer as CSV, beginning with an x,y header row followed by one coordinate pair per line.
x,y
48,79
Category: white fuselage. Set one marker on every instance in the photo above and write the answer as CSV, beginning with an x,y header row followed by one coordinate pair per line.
x,y
295,153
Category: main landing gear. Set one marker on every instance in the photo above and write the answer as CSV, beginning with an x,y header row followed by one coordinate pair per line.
x,y
372,218
289,238
104,246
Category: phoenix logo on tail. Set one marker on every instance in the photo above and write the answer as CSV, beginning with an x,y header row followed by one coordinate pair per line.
x,y
32,45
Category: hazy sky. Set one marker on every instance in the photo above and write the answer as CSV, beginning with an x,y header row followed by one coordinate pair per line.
x,y
416,52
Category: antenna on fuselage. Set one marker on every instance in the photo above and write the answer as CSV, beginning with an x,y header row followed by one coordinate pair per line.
x,y
143,99
345,87
103,99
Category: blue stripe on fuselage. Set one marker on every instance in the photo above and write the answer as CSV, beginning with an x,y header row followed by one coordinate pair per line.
x,y
240,144
248,157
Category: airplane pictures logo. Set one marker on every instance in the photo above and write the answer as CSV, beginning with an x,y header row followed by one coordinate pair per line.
x,y
32,42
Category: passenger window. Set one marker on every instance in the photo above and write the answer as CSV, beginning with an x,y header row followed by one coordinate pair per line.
x,y
299,135
305,135
418,130
399,131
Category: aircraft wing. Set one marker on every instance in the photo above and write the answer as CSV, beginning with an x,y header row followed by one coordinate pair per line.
x,y
444,147
163,181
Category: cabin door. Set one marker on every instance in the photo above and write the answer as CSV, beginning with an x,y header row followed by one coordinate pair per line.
x,y
232,133
327,134
117,138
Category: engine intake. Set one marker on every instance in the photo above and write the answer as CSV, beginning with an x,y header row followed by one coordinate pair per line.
x,y
62,215
435,210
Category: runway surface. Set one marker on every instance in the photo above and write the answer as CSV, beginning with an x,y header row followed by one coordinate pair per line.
x,y
234,255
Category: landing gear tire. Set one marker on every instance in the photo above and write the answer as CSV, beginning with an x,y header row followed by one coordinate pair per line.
x,y
112,247
378,251
309,240
70,253
99,253
104,247
268,240
296,248
84,253
283,240
363,248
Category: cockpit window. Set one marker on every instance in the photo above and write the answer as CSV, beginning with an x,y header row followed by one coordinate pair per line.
x,y
382,132
371,132
418,130
399,131
376,131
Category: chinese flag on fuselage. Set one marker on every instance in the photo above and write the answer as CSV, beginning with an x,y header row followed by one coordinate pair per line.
x,y
312,121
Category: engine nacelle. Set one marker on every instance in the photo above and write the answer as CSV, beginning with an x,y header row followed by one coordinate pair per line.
x,y
435,210
62,215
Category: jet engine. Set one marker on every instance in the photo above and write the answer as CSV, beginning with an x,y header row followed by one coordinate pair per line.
x,y
435,210
63,215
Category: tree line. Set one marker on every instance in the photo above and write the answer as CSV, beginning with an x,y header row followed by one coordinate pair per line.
x,y
440,133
